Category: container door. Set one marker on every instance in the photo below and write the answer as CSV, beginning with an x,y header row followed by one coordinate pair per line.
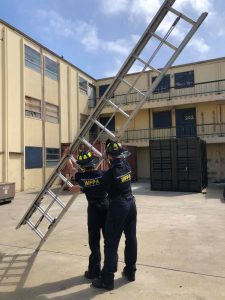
x,y
186,122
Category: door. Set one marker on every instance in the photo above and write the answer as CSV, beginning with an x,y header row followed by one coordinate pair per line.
x,y
186,122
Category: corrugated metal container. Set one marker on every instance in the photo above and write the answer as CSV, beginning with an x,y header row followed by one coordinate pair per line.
x,y
7,191
178,165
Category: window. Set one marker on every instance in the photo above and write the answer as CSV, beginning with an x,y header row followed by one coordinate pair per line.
x,y
184,79
51,113
83,119
52,157
162,119
33,158
83,84
111,125
32,107
164,85
102,89
91,96
51,69
32,59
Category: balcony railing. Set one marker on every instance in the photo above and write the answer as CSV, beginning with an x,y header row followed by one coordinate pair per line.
x,y
203,88
204,131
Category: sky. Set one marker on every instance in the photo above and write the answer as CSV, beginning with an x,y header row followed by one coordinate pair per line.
x,y
98,35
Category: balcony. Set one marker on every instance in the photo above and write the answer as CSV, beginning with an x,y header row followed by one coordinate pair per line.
x,y
211,133
200,92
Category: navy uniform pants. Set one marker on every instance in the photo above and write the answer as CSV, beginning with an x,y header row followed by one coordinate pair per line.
x,y
122,217
96,213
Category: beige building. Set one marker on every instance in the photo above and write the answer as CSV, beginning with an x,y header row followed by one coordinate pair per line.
x,y
44,100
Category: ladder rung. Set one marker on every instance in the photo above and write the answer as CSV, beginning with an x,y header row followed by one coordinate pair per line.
x,y
44,213
90,146
179,14
147,65
131,86
53,195
118,108
104,128
64,179
164,41
36,230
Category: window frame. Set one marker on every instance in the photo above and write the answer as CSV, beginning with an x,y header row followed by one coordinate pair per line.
x,y
32,113
186,83
51,162
164,81
51,71
51,118
29,58
162,113
82,87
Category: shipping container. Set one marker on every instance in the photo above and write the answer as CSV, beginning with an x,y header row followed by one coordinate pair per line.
x,y
178,165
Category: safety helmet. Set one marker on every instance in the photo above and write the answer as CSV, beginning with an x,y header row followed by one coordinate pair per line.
x,y
86,159
113,148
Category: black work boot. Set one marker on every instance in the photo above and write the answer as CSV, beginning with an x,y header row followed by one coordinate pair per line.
x,y
100,284
129,275
91,275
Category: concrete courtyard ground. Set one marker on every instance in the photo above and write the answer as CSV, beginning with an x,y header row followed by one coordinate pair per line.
x,y
181,250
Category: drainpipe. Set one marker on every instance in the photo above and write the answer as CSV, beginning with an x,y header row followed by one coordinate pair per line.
x,y
43,115
5,106
22,116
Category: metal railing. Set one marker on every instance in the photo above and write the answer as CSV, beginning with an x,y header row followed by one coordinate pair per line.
x,y
203,88
203,131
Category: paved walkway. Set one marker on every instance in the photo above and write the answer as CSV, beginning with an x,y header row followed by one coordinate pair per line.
x,y
181,251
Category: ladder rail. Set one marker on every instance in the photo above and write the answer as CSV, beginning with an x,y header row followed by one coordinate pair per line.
x,y
159,78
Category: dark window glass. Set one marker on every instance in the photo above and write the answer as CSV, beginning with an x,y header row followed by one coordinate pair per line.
x,y
83,84
111,125
52,157
164,85
184,79
162,119
102,89
51,69
32,59
33,157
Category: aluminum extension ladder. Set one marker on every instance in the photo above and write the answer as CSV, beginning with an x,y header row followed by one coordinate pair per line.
x,y
39,204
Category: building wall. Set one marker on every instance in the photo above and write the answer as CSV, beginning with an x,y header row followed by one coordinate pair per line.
x,y
216,161
17,130
143,163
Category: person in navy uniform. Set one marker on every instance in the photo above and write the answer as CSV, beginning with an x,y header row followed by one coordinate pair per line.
x,y
90,182
122,217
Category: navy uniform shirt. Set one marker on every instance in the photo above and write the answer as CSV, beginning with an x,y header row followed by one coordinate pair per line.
x,y
91,184
117,180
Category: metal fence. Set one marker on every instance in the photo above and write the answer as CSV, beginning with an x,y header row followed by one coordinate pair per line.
x,y
203,88
201,130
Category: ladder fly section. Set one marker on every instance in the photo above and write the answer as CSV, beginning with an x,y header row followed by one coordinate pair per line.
x,y
43,208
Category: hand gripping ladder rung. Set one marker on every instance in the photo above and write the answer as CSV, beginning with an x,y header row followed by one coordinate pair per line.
x,y
89,145
64,179
104,101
